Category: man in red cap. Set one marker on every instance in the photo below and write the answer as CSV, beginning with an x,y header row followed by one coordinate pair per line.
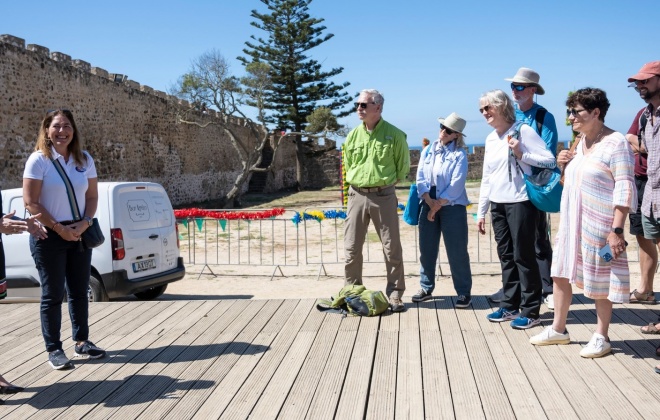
x,y
647,83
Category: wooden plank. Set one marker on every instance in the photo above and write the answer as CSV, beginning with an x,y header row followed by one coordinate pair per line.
x,y
494,399
206,346
464,392
435,377
248,385
610,390
633,377
266,386
382,390
229,378
226,378
326,398
232,359
96,401
32,361
151,372
518,387
409,390
303,385
355,392
555,404
64,388
31,344
17,316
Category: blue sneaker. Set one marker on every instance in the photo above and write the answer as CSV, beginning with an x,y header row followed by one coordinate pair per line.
x,y
522,323
502,315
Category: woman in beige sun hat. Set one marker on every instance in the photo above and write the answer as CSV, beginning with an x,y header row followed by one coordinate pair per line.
x,y
441,176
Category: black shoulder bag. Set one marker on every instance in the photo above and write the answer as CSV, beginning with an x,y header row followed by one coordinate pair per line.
x,y
92,236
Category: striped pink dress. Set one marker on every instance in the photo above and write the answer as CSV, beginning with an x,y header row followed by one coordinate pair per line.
x,y
593,186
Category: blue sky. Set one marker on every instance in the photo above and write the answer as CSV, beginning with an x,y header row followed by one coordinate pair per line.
x,y
428,57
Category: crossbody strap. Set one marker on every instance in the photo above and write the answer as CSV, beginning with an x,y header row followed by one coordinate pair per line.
x,y
73,203
516,135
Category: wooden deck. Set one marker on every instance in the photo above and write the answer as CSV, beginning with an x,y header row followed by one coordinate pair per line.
x,y
261,359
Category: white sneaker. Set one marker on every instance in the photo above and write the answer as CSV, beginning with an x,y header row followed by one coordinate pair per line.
x,y
549,336
596,347
549,301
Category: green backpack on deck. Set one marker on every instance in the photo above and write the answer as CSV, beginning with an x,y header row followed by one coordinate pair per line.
x,y
355,300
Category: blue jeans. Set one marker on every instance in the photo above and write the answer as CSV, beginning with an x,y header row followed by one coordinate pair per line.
x,y
61,263
450,223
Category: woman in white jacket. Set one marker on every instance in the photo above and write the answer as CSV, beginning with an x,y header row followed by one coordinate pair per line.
x,y
511,148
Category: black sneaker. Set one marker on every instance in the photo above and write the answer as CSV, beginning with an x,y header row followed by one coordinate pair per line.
x,y
58,360
497,297
422,296
396,305
463,301
89,350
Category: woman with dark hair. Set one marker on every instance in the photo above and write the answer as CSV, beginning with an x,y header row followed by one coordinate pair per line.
x,y
590,250
64,264
512,148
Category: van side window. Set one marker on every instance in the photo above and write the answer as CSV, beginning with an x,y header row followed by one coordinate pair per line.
x,y
16,203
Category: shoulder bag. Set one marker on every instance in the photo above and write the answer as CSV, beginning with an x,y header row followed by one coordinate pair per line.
x,y
92,237
543,186
413,208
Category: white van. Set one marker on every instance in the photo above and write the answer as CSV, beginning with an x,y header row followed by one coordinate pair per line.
x,y
140,254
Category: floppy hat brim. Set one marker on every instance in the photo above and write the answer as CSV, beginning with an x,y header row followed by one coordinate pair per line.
x,y
442,121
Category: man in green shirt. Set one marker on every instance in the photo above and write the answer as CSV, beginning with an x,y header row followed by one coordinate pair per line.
x,y
375,157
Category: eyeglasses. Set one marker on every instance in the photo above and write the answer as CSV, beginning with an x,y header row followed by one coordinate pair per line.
x,y
447,130
363,105
485,108
518,88
574,112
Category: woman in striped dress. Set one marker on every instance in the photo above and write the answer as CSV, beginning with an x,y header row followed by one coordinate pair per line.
x,y
599,191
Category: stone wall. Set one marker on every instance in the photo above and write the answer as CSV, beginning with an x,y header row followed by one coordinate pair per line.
x,y
129,129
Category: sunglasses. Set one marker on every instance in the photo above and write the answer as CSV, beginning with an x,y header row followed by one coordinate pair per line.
x,y
518,88
363,105
574,112
485,108
643,82
449,131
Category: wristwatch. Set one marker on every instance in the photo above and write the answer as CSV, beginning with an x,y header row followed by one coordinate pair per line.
x,y
89,220
617,230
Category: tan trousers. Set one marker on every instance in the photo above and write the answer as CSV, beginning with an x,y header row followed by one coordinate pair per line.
x,y
381,207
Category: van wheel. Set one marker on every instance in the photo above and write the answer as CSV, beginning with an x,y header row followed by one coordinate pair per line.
x,y
95,291
152,293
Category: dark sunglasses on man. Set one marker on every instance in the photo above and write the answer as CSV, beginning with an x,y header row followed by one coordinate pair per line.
x,y
518,88
363,105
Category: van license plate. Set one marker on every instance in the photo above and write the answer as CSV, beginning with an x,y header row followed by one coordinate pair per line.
x,y
144,265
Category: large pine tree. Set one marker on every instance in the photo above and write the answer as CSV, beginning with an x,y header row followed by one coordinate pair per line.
x,y
299,85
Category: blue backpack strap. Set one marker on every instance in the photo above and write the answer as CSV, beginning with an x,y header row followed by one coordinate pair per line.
x,y
540,116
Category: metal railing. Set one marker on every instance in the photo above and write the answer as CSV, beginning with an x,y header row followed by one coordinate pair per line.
x,y
279,242
264,242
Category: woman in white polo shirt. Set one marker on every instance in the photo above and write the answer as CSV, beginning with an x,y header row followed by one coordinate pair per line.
x,y
60,258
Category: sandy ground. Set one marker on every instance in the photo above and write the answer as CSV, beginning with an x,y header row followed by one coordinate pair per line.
x,y
301,282
322,281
